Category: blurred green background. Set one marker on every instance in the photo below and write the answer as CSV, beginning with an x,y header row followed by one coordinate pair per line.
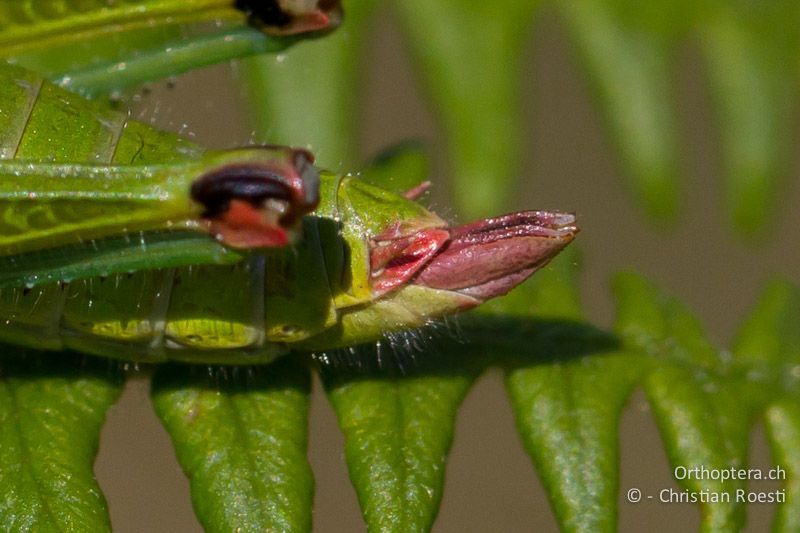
x,y
569,163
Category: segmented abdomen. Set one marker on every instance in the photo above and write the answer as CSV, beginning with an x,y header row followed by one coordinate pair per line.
x,y
250,312
244,313
194,313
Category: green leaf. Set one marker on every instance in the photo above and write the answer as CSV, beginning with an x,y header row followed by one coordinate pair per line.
x,y
751,53
783,430
662,327
704,425
629,68
52,407
769,342
702,401
471,53
240,434
568,385
398,431
568,413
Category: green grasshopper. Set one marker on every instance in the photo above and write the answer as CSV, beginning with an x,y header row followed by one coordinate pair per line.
x,y
100,46
120,240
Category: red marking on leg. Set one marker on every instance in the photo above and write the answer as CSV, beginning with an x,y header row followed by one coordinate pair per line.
x,y
312,21
243,226
260,202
